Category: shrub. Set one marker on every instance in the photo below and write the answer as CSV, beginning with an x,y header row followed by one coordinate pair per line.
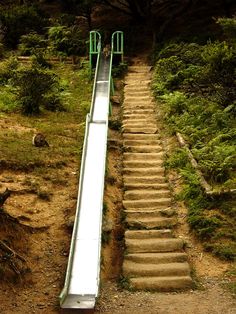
x,y
66,40
30,43
229,27
7,70
36,87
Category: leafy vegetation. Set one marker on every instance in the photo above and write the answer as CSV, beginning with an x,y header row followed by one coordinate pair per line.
x,y
66,40
196,85
18,20
63,129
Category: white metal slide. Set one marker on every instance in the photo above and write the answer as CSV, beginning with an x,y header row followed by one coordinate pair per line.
x,y
83,270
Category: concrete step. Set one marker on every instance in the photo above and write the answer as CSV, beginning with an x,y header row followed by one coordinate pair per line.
x,y
149,223
142,163
141,137
137,81
140,121
146,234
139,68
149,213
132,88
162,284
138,116
146,186
149,203
140,130
152,245
143,73
132,142
146,194
132,96
138,111
157,258
143,149
144,171
131,179
137,93
132,269
141,156
138,104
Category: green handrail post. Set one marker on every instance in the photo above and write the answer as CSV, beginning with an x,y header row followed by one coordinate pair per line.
x,y
117,43
94,47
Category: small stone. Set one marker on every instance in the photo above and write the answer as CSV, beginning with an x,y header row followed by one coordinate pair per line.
x,y
70,222
107,225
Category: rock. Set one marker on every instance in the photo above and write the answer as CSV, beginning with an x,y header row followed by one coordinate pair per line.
x,y
116,100
107,225
70,222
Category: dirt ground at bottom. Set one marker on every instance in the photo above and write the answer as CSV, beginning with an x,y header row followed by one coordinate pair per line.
x,y
210,299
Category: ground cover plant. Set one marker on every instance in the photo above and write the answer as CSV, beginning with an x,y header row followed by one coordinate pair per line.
x,y
196,86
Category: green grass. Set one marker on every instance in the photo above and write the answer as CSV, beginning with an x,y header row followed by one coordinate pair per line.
x,y
64,130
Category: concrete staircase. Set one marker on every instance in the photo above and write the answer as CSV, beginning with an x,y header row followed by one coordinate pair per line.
x,y
154,259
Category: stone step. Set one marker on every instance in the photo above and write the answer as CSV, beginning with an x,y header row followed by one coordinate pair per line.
x,y
149,213
146,234
161,284
132,269
141,137
146,194
139,98
150,203
142,163
141,156
131,179
144,171
138,111
138,81
139,104
143,149
140,130
137,93
139,68
132,142
150,222
132,96
139,116
143,73
157,258
140,123
152,245
132,88
146,186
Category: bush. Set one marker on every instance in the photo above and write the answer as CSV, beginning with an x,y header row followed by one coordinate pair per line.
x,y
36,87
66,40
229,27
197,86
7,70
30,43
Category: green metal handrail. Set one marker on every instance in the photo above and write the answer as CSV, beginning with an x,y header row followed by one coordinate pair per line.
x,y
117,44
94,46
